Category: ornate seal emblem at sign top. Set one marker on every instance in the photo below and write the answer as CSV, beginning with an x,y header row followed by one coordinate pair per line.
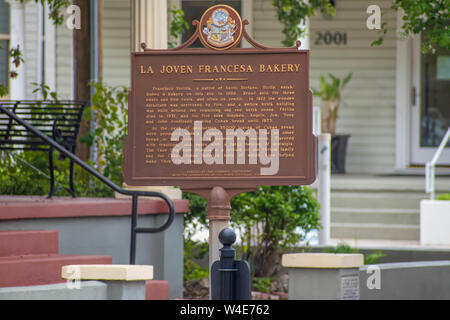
x,y
220,27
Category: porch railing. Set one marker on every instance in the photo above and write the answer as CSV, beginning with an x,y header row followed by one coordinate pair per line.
x,y
430,169
135,194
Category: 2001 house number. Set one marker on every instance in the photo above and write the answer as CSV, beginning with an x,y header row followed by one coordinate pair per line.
x,y
329,38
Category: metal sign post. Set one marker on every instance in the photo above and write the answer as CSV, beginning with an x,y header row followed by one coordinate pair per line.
x,y
230,279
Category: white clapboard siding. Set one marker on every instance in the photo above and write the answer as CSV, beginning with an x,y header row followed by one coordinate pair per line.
x,y
64,62
368,109
30,51
265,14
116,42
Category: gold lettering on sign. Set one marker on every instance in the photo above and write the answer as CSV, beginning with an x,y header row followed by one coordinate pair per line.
x,y
229,68
222,68
285,67
219,107
146,69
181,69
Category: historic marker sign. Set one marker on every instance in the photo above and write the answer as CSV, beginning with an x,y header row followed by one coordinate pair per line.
x,y
220,116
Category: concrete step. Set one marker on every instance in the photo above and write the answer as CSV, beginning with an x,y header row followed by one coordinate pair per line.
x,y
399,183
378,216
351,230
30,258
30,270
365,199
375,207
16,243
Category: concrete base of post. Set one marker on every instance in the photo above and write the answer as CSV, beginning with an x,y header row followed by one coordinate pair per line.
x,y
125,290
323,276
215,226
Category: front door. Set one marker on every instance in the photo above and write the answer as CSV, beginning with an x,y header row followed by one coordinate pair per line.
x,y
430,114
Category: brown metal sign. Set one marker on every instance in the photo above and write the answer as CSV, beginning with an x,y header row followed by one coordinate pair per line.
x,y
220,115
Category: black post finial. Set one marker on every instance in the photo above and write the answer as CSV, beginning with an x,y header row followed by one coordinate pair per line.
x,y
227,237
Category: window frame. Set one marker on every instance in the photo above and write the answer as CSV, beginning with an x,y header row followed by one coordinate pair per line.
x,y
7,39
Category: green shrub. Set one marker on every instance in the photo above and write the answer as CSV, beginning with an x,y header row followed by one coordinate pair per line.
x,y
177,25
17,178
372,258
194,250
109,110
445,196
23,173
262,284
271,219
194,221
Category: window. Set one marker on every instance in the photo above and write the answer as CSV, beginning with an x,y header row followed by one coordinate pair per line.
x,y
4,43
194,9
435,83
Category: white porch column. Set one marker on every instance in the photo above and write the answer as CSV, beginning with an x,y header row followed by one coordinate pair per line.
x,y
17,85
50,52
149,24
40,48
403,83
305,38
324,186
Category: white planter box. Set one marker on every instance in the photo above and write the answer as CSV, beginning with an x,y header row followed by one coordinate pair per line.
x,y
434,222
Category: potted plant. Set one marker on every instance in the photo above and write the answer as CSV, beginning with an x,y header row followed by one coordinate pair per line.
x,y
330,94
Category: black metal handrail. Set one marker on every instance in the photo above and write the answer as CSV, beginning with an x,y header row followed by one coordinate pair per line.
x,y
135,194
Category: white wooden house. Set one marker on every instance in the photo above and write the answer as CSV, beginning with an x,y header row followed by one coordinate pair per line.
x,y
396,107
